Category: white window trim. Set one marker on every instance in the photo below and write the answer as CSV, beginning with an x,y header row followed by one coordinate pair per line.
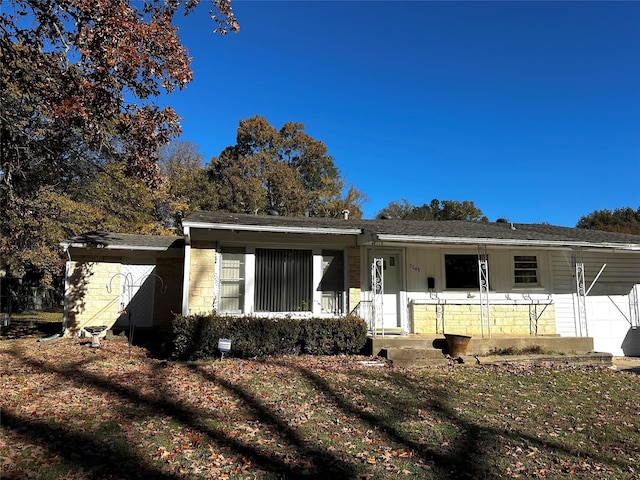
x,y
249,285
541,271
316,308
443,266
249,280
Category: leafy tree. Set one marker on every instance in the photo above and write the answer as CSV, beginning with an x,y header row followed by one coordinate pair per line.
x,y
79,82
187,186
398,210
284,171
620,220
435,210
352,202
35,227
91,70
237,178
123,204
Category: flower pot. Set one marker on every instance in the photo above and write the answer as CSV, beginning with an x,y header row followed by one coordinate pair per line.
x,y
457,344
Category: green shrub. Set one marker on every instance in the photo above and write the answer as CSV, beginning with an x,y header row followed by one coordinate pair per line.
x,y
334,336
261,337
196,337
186,332
352,335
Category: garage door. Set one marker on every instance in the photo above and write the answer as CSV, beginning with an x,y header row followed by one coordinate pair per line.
x,y
613,321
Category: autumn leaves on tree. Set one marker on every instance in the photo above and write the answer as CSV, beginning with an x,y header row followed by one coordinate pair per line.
x,y
85,147
79,82
82,136
284,172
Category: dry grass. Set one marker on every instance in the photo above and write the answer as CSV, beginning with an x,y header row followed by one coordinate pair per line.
x,y
70,411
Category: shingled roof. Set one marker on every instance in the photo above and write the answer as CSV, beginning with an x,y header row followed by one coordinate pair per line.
x,y
124,241
415,231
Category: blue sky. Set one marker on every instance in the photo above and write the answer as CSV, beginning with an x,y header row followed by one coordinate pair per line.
x,y
529,109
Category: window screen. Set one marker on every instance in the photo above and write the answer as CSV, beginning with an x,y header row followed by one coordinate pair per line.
x,y
232,280
332,282
525,269
461,271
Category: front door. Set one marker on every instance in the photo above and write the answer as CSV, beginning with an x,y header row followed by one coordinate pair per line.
x,y
391,270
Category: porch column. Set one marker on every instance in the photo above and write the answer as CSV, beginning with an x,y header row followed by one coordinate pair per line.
x,y
353,277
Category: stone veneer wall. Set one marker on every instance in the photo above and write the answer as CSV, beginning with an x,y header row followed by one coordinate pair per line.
x,y
89,302
167,302
201,278
506,320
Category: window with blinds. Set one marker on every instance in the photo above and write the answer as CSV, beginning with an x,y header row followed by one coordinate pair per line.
x,y
525,269
332,282
232,273
283,280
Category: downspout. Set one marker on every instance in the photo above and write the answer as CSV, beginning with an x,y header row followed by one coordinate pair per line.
x,y
186,271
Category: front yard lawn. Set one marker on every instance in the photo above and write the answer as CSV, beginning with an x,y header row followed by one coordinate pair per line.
x,y
73,412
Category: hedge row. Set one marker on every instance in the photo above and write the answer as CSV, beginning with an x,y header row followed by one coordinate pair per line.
x,y
196,336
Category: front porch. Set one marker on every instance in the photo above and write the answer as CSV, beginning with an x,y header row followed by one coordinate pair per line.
x,y
428,350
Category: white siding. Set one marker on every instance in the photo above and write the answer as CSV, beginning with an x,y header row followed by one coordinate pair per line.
x,y
607,305
608,322
563,287
136,295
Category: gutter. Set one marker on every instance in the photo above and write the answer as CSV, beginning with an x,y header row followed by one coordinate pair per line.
x,y
66,245
503,242
274,229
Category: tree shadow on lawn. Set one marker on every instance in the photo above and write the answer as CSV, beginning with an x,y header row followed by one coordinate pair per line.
x,y
325,464
29,328
59,441
79,450
465,458
472,447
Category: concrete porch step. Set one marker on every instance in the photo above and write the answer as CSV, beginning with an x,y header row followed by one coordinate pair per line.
x,y
377,344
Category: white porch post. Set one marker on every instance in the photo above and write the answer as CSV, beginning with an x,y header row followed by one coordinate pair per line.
x,y
485,310
377,292
186,272
581,299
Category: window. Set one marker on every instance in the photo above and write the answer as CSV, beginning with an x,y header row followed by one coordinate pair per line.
x,y
525,269
232,281
461,271
332,282
283,280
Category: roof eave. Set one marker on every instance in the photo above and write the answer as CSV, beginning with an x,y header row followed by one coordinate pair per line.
x,y
504,242
273,228
67,245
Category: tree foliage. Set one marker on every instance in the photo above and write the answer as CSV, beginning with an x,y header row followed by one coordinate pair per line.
x,y
90,70
34,227
187,186
79,83
435,210
620,220
282,171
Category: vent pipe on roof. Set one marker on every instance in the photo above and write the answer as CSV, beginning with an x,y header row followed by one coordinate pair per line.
x,y
345,214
